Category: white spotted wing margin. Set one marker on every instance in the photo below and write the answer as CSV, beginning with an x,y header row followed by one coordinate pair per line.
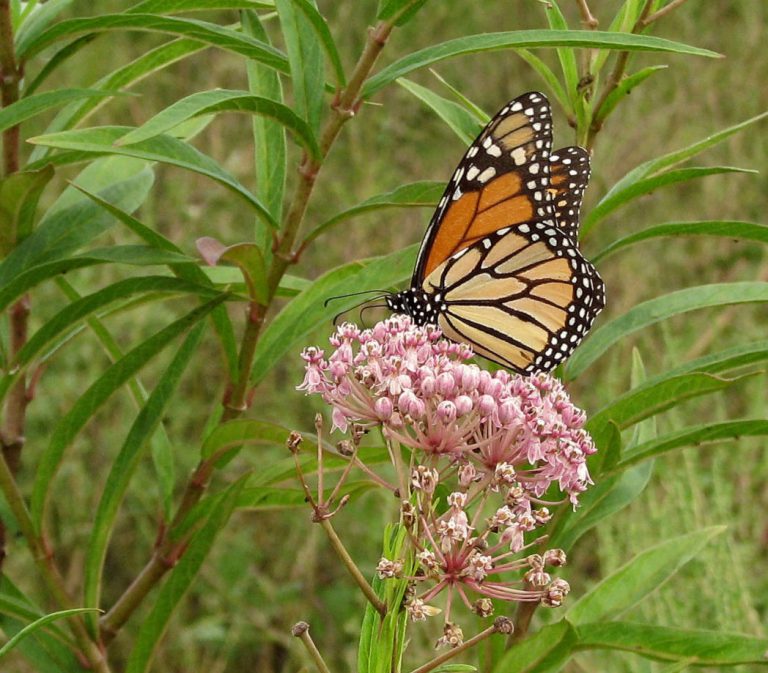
x,y
524,297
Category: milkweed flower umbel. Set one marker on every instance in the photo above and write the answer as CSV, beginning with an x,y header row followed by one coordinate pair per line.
x,y
498,442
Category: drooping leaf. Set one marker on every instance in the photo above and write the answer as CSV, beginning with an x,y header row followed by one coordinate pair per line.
x,y
423,194
98,392
125,464
222,100
642,575
306,311
695,435
181,577
749,231
208,33
459,120
654,310
60,233
622,197
39,624
164,149
525,39
19,194
26,108
669,643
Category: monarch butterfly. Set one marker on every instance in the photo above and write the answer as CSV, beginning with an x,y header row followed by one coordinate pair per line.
x,y
499,267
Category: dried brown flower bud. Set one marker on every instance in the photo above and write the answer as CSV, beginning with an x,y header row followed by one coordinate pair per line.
x,y
299,629
503,625
294,441
536,577
388,569
346,448
483,607
407,513
452,636
555,593
555,557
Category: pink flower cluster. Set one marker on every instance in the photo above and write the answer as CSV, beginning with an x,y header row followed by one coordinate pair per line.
x,y
420,389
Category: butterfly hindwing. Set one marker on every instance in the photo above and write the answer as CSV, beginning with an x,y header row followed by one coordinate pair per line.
x,y
502,180
523,297
569,174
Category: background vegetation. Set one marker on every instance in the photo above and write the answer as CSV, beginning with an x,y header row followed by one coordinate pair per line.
x,y
271,568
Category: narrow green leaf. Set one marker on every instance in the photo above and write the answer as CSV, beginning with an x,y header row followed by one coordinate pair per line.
x,y
624,88
657,309
599,502
306,62
549,77
423,194
227,438
659,394
75,312
399,12
60,233
619,198
145,65
178,6
654,166
475,110
38,20
750,231
545,648
636,579
306,311
38,624
192,273
52,63
566,56
124,466
181,577
26,108
19,194
695,435
269,160
668,643
164,148
319,25
462,122
525,39
98,392
222,100
208,33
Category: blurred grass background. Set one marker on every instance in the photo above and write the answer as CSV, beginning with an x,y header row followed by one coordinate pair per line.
x,y
270,569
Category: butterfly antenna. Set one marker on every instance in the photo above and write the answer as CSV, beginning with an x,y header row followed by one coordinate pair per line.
x,y
352,308
355,294
366,308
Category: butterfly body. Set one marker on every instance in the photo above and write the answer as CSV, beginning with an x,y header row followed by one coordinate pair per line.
x,y
499,267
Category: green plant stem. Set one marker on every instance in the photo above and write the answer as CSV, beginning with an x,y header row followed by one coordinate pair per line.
x,y
236,401
450,654
47,568
346,559
10,76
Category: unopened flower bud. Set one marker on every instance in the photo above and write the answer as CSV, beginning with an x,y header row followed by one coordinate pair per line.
x,y
486,405
428,386
463,405
383,408
446,412
445,384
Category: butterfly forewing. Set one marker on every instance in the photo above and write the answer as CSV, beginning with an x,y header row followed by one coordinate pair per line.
x,y
502,180
569,176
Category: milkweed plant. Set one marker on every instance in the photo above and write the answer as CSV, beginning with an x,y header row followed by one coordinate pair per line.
x,y
453,494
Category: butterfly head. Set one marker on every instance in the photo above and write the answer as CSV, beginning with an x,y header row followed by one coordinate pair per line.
x,y
417,304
